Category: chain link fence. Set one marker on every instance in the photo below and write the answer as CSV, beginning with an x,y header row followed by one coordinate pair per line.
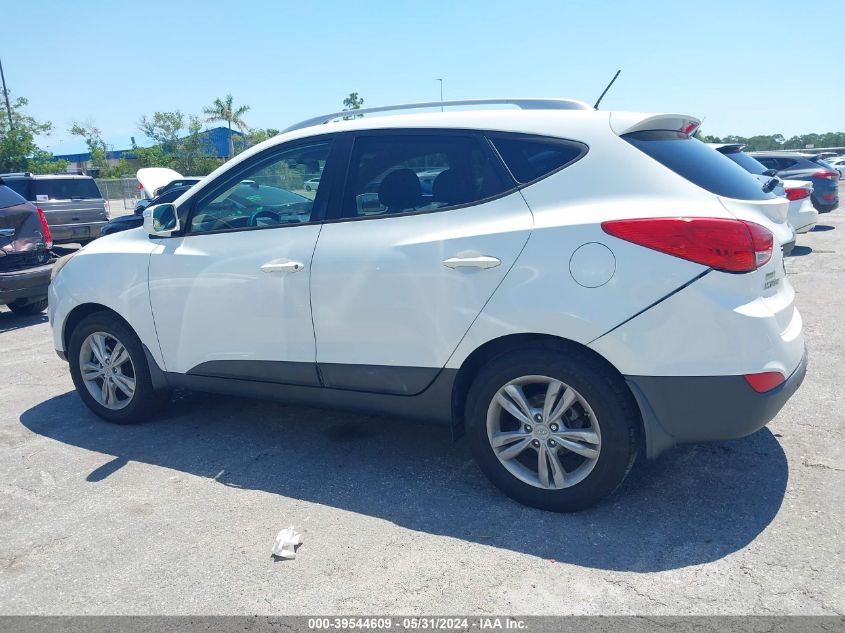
x,y
122,194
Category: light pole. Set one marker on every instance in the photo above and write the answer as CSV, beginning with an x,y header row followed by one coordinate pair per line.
x,y
441,93
6,94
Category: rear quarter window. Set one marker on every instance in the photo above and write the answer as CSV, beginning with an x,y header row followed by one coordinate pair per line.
x,y
8,198
698,163
66,189
530,158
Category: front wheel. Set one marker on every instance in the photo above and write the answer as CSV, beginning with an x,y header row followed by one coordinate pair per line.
x,y
553,430
110,371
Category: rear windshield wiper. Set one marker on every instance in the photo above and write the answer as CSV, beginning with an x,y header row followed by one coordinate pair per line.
x,y
770,186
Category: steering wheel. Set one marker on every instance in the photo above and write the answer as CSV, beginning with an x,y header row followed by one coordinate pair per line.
x,y
273,216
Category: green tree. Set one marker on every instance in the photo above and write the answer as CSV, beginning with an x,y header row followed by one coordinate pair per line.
x,y
194,155
224,111
254,136
165,128
18,149
42,162
93,138
352,102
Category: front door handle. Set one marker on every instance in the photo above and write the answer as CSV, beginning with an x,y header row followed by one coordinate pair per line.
x,y
472,261
282,266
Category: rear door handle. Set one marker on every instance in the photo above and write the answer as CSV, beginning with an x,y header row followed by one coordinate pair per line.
x,y
473,261
282,266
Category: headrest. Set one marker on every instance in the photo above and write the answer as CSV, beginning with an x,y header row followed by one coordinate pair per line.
x,y
400,190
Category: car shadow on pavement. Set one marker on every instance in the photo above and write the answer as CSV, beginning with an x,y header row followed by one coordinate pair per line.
x,y
693,505
823,227
12,321
800,251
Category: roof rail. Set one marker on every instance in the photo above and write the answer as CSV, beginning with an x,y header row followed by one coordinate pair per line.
x,y
524,104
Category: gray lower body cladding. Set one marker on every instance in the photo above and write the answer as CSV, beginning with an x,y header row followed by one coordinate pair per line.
x,y
691,409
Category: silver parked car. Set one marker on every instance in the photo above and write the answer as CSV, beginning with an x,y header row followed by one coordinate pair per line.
x,y
73,205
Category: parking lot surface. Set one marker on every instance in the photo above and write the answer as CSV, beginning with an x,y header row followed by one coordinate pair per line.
x,y
178,516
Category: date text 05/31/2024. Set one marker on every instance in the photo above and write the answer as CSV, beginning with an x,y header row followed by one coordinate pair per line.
x,y
417,623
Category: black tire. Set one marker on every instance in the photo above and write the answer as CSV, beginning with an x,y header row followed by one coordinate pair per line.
x,y
20,306
612,404
146,401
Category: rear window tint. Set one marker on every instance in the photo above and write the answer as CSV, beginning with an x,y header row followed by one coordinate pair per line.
x,y
531,158
66,189
9,198
698,163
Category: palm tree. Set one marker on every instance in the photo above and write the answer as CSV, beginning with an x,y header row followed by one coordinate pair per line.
x,y
224,111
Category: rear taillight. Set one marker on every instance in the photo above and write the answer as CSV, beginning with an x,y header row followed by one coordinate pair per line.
x,y
798,193
108,208
765,381
826,174
45,229
734,246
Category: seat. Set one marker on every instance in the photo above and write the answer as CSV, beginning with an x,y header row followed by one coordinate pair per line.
x,y
400,191
451,187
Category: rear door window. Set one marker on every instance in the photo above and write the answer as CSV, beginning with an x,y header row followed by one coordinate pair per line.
x,y
66,189
530,158
418,172
698,163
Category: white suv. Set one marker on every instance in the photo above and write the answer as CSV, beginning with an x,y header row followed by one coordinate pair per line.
x,y
569,286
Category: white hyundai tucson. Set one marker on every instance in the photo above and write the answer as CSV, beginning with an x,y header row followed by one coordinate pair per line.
x,y
571,287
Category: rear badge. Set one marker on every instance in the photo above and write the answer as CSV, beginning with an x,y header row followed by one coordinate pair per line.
x,y
771,280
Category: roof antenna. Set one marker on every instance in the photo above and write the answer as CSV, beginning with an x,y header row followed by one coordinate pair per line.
x,y
606,89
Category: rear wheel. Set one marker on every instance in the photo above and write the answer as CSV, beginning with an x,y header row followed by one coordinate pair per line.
x,y
110,371
21,306
555,431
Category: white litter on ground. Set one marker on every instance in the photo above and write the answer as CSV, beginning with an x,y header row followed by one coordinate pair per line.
x,y
286,542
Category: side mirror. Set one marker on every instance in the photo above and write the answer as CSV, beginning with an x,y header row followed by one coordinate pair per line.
x,y
161,219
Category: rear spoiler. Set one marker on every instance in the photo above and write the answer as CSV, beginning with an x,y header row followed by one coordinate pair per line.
x,y
629,122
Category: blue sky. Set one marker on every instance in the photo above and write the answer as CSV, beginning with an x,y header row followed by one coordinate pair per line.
x,y
111,62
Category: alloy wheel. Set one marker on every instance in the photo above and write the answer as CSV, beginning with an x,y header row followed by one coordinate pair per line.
x,y
543,432
107,370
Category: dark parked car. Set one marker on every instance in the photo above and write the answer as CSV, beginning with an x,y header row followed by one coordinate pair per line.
x,y
810,167
25,256
182,184
73,205
126,222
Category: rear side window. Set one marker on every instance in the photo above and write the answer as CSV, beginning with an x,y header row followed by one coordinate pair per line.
x,y
9,198
408,173
66,189
530,158
698,163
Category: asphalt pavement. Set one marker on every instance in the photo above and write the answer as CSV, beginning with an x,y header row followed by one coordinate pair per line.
x,y
178,516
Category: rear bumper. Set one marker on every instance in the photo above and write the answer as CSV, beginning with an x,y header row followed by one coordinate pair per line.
x,y
76,232
690,409
788,247
30,283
